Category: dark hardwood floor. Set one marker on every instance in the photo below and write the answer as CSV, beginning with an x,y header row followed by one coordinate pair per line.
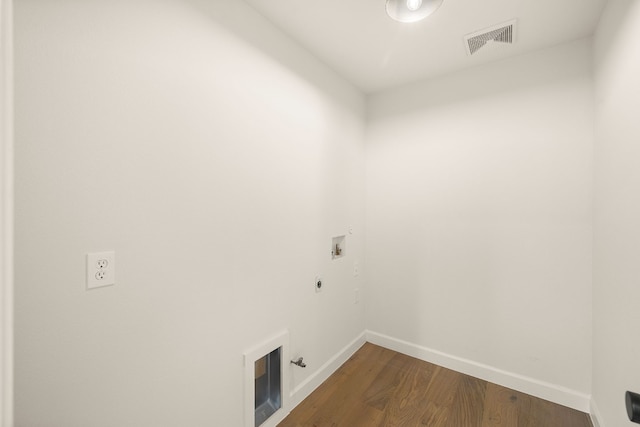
x,y
379,387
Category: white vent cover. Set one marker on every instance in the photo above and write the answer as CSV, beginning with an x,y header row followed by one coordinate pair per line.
x,y
501,33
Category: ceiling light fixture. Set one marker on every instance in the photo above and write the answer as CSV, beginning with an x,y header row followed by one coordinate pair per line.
x,y
414,5
411,10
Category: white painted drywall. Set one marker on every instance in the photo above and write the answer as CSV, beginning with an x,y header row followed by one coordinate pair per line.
x,y
616,294
479,234
6,213
218,159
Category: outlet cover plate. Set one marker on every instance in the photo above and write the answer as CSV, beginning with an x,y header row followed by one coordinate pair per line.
x,y
101,269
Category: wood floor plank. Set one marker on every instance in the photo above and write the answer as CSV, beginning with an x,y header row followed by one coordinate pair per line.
x,y
468,405
362,415
378,387
439,396
500,407
405,396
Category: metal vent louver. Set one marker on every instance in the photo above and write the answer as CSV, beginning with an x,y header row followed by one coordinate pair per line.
x,y
501,33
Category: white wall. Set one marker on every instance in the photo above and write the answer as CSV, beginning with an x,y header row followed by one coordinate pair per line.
x,y
479,234
6,213
217,159
617,209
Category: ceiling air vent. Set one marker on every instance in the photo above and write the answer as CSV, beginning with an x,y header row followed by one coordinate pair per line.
x,y
501,33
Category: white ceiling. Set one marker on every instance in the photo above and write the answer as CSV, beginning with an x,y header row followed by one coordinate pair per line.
x,y
358,40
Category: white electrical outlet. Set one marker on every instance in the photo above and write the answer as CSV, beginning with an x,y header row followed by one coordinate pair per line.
x,y
356,269
101,269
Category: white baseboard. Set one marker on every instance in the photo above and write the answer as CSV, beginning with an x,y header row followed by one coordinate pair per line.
x,y
596,418
305,388
551,392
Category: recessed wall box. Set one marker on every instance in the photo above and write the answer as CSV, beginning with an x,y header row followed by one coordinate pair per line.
x,y
338,247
